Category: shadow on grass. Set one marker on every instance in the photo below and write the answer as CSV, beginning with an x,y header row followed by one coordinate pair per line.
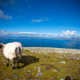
x,y
26,60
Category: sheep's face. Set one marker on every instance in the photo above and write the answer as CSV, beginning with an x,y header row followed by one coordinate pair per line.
x,y
1,46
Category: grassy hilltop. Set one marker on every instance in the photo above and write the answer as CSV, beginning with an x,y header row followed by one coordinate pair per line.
x,y
40,66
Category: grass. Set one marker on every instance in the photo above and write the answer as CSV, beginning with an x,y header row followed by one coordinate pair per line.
x,y
35,66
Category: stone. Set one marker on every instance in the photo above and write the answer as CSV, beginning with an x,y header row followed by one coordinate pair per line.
x,y
6,79
25,55
35,68
38,69
52,62
15,76
39,74
60,56
55,70
29,73
68,77
79,66
62,62
4,62
61,79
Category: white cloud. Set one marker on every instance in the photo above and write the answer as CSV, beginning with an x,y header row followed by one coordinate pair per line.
x,y
69,33
64,34
39,20
42,19
3,16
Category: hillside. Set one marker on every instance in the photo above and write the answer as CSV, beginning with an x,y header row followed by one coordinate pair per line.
x,y
44,65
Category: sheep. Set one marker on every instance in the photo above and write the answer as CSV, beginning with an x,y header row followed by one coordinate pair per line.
x,y
12,51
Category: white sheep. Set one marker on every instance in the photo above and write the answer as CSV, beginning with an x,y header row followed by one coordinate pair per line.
x,y
12,51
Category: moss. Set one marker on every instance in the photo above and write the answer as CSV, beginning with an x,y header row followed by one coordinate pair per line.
x,y
49,65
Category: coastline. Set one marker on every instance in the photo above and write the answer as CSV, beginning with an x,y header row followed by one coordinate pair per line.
x,y
46,50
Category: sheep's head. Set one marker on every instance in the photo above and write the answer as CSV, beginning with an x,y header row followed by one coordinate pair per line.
x,y
1,46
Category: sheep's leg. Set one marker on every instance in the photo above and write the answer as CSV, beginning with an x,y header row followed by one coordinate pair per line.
x,y
13,67
7,62
18,63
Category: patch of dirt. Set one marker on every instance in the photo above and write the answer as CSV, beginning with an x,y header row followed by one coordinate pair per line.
x,y
49,66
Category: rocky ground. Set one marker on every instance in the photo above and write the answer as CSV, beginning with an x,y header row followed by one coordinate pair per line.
x,y
46,50
63,51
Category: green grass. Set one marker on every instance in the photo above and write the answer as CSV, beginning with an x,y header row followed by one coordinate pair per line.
x,y
50,66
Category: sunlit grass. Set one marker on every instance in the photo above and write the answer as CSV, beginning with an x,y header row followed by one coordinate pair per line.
x,y
52,66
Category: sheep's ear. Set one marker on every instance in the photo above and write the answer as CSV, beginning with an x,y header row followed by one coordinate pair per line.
x,y
1,45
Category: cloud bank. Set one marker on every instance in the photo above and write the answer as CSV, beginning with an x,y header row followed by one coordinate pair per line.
x,y
69,34
3,16
64,34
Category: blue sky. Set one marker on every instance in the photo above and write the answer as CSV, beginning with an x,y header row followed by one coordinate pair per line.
x,y
55,17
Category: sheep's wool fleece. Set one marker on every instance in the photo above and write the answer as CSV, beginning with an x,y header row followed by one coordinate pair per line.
x,y
9,50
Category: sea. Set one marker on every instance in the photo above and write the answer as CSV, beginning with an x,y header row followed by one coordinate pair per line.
x,y
70,44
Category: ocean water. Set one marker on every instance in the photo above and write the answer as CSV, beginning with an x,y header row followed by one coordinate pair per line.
x,y
71,44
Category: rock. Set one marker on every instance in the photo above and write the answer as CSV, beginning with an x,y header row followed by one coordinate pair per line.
x,y
39,74
6,79
25,55
39,69
68,77
53,62
4,62
55,70
62,62
79,66
61,79
35,68
15,76
60,56
29,73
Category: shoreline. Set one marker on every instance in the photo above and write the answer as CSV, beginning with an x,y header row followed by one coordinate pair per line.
x,y
46,50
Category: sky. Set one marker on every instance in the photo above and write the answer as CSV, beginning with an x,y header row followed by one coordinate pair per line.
x,y
49,18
